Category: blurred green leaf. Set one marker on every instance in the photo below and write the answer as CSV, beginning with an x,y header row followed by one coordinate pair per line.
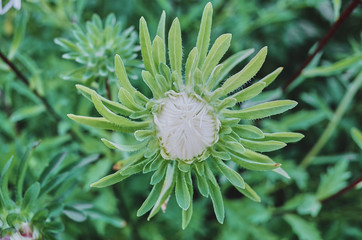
x,y
305,230
357,136
334,180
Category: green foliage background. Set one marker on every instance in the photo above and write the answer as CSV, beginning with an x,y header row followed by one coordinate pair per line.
x,y
329,115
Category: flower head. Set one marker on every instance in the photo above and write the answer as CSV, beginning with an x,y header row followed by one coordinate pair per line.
x,y
192,124
95,46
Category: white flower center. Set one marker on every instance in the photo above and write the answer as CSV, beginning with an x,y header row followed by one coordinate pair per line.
x,y
185,126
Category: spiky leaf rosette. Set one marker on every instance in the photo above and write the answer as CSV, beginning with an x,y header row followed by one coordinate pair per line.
x,y
190,124
95,47
33,210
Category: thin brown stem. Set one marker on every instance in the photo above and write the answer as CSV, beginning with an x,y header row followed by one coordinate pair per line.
x,y
344,190
108,89
346,13
22,77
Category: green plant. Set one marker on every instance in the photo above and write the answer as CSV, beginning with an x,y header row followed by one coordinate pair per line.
x,y
95,46
191,124
34,210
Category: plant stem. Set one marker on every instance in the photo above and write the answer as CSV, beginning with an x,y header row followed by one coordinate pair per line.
x,y
346,13
345,103
344,190
21,76
108,90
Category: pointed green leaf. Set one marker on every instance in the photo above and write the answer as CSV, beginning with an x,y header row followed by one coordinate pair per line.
x,y
229,64
150,200
249,192
4,191
245,74
124,148
122,74
215,54
262,110
152,84
182,193
187,214
30,196
161,26
146,48
217,202
233,144
334,180
159,174
114,118
109,180
167,188
303,228
223,155
202,185
271,77
203,38
248,131
253,163
163,83
249,92
262,145
118,176
357,136
191,64
142,135
99,122
113,106
175,47
158,51
127,99
287,137
233,177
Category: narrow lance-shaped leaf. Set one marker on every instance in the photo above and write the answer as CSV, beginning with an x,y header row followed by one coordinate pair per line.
x,y
190,67
118,176
229,64
245,74
114,118
217,201
124,148
203,38
30,196
202,185
161,26
287,137
268,79
248,131
146,48
128,100
4,192
122,74
182,192
158,51
249,92
175,46
249,192
151,199
261,110
251,163
99,122
168,185
233,177
262,146
113,106
187,214
152,84
215,54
